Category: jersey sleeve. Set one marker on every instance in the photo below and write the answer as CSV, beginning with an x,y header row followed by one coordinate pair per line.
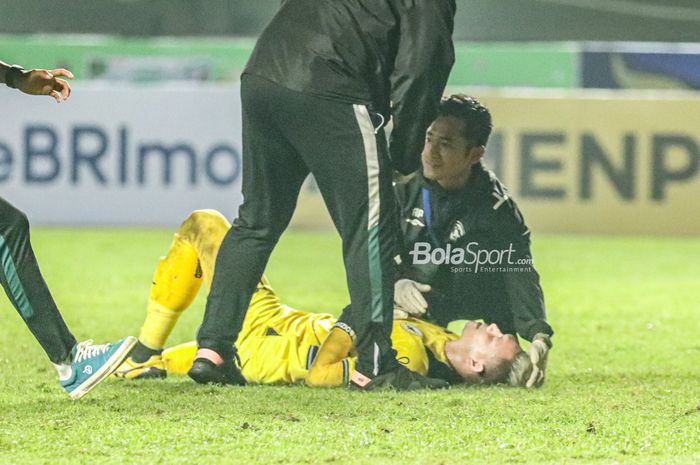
x,y
522,284
333,364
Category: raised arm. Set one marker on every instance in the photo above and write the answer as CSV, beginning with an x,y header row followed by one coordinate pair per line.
x,y
525,297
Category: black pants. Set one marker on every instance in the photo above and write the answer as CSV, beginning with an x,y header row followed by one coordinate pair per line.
x,y
24,285
286,135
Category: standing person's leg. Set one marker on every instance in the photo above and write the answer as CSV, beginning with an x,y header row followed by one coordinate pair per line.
x,y
352,168
80,366
356,186
350,162
26,288
273,173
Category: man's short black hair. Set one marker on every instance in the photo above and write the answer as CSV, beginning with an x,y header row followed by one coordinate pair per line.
x,y
476,117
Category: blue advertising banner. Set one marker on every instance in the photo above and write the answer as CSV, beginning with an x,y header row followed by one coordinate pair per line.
x,y
640,66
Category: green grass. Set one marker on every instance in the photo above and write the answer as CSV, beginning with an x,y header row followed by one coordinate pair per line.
x,y
622,383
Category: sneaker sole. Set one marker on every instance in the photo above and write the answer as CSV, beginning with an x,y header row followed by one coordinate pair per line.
x,y
105,370
151,373
146,373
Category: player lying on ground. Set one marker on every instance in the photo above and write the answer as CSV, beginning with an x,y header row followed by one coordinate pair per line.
x,y
80,366
279,344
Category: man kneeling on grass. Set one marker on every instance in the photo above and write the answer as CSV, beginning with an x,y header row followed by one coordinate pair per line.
x,y
281,345
465,252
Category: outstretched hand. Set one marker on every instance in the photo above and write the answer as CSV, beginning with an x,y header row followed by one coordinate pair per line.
x,y
46,82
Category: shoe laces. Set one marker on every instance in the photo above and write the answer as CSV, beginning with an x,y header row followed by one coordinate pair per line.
x,y
87,349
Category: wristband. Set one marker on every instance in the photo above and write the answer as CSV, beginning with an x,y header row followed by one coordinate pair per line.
x,y
13,75
544,338
345,327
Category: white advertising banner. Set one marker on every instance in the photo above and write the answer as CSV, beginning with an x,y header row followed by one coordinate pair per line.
x,y
122,155
148,155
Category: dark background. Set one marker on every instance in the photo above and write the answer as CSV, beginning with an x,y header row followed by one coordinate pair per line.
x,y
512,20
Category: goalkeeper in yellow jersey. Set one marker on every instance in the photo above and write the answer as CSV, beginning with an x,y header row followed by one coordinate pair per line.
x,y
279,344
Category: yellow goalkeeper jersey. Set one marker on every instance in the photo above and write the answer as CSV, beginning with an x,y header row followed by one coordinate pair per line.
x,y
279,344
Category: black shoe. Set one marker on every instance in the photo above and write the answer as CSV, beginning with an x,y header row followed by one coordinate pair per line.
x,y
205,371
401,379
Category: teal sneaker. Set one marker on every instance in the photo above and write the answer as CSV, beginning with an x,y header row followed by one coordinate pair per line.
x,y
90,364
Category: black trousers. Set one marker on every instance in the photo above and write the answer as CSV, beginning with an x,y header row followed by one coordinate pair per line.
x,y
24,285
286,136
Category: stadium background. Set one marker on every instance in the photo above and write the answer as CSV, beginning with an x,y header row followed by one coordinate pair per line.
x,y
594,103
596,111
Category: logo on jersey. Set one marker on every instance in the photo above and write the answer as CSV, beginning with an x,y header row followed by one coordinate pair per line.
x,y
412,329
417,214
457,231
500,199
415,222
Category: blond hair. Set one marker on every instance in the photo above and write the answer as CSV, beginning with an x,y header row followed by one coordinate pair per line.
x,y
520,370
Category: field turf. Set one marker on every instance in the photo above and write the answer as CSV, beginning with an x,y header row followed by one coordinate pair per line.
x,y
623,383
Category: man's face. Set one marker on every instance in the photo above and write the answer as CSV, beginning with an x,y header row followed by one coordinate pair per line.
x,y
487,346
447,157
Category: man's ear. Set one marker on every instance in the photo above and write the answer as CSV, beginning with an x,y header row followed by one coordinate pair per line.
x,y
476,153
476,366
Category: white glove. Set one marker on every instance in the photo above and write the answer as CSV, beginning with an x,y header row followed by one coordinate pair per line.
x,y
408,296
538,351
399,314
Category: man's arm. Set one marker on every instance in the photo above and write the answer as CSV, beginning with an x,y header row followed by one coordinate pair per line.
x,y
423,63
526,300
524,293
333,365
37,81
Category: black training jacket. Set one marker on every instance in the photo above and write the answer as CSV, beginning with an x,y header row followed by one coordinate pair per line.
x,y
483,213
393,55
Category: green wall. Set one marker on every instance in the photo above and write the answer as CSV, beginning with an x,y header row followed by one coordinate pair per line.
x,y
487,64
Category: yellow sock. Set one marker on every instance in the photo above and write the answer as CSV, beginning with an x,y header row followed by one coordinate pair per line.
x,y
175,284
178,359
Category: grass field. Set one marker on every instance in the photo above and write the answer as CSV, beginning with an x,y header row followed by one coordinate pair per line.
x,y
623,382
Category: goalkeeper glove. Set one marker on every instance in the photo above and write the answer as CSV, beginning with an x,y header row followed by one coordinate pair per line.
x,y
408,296
538,352
400,314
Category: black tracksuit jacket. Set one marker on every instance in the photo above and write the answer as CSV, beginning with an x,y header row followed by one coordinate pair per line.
x,y
481,213
392,55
